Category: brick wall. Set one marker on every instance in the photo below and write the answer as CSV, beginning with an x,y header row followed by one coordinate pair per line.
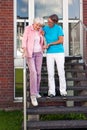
x,y
6,55
85,12
85,22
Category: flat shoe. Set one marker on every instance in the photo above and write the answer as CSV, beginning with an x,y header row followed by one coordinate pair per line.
x,y
51,96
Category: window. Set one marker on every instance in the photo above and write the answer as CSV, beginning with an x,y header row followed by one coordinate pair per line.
x,y
44,8
74,9
21,19
74,27
74,38
22,9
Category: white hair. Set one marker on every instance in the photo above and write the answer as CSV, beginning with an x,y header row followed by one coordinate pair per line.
x,y
38,20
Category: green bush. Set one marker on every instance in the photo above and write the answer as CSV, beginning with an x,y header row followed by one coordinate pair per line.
x,y
71,116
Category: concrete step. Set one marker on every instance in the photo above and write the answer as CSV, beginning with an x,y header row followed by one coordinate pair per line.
x,y
76,70
56,110
77,79
61,124
45,88
62,98
74,64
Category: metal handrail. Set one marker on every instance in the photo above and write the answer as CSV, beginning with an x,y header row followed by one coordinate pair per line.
x,y
84,40
84,28
24,90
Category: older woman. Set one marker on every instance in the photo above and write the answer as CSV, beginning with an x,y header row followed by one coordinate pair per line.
x,y
32,45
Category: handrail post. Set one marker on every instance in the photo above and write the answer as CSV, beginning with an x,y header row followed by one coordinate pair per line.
x,y
24,88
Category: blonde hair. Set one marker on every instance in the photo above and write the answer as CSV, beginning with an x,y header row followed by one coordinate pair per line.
x,y
38,20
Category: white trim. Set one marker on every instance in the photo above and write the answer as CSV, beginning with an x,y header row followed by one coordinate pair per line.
x,y
14,38
31,11
65,27
18,99
14,82
73,21
15,12
22,20
81,30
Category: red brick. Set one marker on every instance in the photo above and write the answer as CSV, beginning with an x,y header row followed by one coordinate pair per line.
x,y
6,54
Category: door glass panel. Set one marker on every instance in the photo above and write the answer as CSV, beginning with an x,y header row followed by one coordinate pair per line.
x,y
74,9
18,61
44,8
18,82
74,38
20,31
22,9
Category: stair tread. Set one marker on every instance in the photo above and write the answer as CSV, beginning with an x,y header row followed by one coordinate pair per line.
x,y
76,70
61,98
73,57
68,87
74,63
77,79
56,110
69,78
57,124
76,87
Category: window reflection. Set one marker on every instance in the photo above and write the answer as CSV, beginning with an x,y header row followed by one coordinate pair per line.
x,y
18,82
44,8
20,31
74,38
22,9
74,9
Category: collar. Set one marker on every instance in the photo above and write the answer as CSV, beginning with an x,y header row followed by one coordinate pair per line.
x,y
32,28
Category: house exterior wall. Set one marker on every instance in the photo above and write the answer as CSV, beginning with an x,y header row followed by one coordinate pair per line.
x,y
7,55
85,22
7,52
85,12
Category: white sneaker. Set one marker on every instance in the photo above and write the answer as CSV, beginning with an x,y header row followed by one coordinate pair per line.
x,y
38,96
63,93
34,101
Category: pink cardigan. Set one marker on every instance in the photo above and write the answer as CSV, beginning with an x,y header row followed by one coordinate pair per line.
x,y
28,40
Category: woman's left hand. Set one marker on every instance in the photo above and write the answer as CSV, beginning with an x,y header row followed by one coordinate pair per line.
x,y
46,46
42,32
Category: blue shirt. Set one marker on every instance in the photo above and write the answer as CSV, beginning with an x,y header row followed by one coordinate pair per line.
x,y
52,34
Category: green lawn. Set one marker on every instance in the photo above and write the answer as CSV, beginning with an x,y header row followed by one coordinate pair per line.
x,y
11,120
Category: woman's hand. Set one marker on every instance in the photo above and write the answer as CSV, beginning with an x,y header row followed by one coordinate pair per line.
x,y
46,46
24,53
42,32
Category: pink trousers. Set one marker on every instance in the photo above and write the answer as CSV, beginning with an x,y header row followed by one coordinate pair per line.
x,y
35,64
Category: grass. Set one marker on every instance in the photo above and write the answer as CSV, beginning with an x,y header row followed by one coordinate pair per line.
x,y
11,120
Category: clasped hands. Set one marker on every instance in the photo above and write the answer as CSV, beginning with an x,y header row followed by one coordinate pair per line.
x,y
46,46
